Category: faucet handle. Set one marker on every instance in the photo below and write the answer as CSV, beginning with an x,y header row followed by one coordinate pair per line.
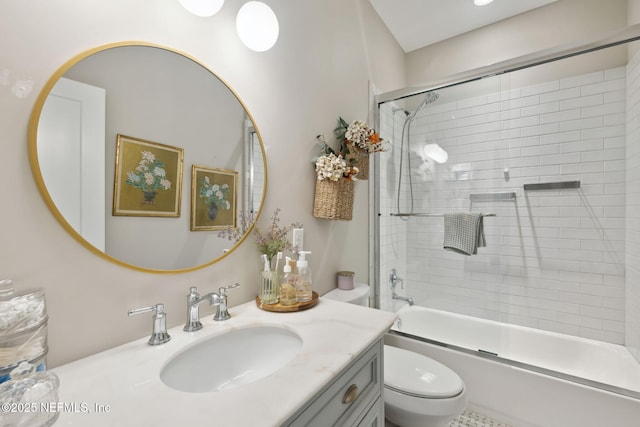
x,y
394,279
158,308
159,334
193,293
223,290
222,313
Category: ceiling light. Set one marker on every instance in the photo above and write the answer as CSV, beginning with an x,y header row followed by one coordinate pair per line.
x,y
202,8
481,2
257,26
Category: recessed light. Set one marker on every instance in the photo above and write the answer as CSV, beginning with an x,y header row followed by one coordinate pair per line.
x,y
481,2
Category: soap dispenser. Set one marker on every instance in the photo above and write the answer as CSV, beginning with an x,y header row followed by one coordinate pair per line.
x,y
304,282
288,285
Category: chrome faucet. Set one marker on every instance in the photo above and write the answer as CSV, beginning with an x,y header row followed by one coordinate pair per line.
x,y
159,334
193,308
394,279
222,313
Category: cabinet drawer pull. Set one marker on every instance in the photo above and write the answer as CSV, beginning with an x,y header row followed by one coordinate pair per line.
x,y
351,394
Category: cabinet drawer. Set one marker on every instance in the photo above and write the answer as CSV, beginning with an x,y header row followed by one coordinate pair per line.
x,y
349,395
374,416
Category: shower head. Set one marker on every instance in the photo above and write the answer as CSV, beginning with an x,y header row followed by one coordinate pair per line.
x,y
429,97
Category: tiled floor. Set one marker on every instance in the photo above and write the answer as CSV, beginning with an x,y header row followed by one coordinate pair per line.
x,y
469,418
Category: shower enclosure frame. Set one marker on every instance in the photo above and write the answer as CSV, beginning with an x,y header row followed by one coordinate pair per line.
x,y
611,39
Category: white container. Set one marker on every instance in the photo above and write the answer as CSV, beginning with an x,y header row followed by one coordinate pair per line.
x,y
345,280
29,388
40,363
20,310
27,345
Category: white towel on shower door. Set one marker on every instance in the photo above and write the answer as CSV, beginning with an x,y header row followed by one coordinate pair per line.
x,y
463,233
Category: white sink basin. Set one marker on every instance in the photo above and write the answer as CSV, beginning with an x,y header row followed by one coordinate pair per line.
x,y
230,360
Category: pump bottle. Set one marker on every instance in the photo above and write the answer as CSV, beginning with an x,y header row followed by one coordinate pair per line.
x,y
288,285
304,282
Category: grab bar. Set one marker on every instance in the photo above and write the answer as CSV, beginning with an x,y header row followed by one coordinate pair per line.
x,y
430,214
492,197
552,185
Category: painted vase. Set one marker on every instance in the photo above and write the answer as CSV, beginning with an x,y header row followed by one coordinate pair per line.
x,y
149,196
212,210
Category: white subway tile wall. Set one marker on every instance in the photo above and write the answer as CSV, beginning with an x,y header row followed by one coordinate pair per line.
x,y
555,259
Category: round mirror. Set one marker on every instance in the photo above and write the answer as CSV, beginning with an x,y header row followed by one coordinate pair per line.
x,y
145,156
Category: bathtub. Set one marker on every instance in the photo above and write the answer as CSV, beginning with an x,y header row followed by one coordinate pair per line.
x,y
526,377
586,361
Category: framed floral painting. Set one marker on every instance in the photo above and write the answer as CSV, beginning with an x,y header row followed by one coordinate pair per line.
x,y
148,178
214,198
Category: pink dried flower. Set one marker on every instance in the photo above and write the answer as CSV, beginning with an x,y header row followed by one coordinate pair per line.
x,y
246,220
274,239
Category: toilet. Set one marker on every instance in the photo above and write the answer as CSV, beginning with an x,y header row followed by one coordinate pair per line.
x,y
418,391
359,295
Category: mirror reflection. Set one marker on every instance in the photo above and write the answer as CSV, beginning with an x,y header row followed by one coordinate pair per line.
x,y
164,103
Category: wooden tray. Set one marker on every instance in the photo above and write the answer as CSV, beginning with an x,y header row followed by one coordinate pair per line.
x,y
279,308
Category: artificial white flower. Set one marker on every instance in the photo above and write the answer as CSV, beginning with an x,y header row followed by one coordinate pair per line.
x,y
358,133
333,167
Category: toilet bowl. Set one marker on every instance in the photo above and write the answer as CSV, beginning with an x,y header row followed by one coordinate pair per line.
x,y
418,391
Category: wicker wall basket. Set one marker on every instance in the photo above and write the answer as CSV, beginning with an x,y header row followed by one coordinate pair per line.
x,y
362,161
334,199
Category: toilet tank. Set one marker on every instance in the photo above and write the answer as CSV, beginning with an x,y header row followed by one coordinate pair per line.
x,y
358,295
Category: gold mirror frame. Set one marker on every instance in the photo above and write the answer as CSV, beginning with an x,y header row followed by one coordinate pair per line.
x,y
42,188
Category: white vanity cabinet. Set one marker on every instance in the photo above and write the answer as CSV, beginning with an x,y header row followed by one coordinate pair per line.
x,y
352,398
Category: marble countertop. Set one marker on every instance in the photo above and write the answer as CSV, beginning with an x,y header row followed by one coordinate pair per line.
x,y
122,386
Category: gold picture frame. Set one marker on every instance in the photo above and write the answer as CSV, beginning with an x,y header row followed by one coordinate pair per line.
x,y
148,178
214,198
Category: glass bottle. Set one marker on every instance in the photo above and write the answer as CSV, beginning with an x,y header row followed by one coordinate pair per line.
x,y
303,282
269,287
288,286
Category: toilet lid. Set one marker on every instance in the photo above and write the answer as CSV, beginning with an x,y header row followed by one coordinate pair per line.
x,y
417,375
360,290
